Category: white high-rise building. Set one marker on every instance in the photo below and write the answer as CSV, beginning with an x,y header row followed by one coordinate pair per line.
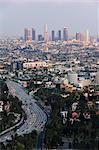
x,y
87,37
45,33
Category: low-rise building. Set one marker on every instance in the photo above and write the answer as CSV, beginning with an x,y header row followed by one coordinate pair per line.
x,y
36,64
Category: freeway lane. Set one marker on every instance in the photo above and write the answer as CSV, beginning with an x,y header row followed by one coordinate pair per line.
x,y
36,117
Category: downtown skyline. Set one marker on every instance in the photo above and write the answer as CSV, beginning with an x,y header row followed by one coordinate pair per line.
x,y
62,34
76,16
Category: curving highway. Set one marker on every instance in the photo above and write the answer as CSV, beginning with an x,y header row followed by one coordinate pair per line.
x,y
36,117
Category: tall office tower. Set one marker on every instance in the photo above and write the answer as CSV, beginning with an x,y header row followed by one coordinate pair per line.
x,y
45,33
33,35
59,35
87,38
40,38
29,34
26,34
53,35
81,37
65,34
78,36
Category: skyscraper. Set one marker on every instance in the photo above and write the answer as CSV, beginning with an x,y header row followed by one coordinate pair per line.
x,y
82,37
59,35
40,37
26,34
87,38
29,34
78,36
45,33
65,34
33,35
53,35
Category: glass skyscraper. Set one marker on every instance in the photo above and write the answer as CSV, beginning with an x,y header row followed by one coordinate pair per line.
x,y
65,34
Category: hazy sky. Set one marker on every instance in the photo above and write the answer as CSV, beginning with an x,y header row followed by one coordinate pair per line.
x,y
76,15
